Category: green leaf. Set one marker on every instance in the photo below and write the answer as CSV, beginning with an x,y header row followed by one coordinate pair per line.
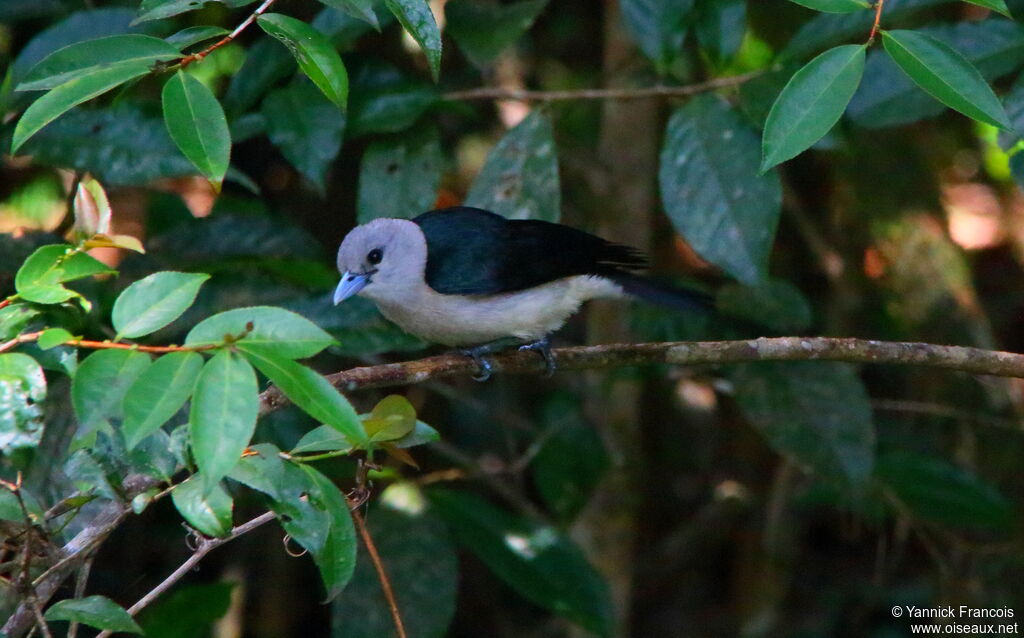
x,y
774,303
96,611
275,331
520,178
999,6
324,438
14,318
945,75
337,558
720,26
937,491
223,416
306,128
314,53
834,6
485,28
385,100
196,123
207,511
400,175
187,611
391,419
154,301
70,94
90,56
812,103
158,394
194,35
712,190
361,9
814,412
22,390
418,21
573,459
538,561
888,97
53,337
422,565
100,384
156,9
309,390
39,279
658,27
121,145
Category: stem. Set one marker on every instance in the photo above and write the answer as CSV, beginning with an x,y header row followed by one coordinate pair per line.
x,y
385,582
878,19
20,339
205,547
113,345
316,457
6,302
196,57
489,93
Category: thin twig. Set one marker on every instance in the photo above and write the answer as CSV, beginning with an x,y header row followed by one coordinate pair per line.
x,y
115,345
25,584
5,302
878,20
501,93
196,57
385,582
80,582
684,353
206,545
20,339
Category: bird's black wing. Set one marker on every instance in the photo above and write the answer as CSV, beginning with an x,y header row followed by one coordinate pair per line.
x,y
474,252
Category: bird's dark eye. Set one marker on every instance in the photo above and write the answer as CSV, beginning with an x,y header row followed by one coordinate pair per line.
x,y
374,256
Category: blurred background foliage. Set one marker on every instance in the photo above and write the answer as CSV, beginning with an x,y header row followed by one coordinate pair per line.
x,y
801,499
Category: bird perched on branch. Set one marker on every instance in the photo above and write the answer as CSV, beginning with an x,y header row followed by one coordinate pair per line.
x,y
469,278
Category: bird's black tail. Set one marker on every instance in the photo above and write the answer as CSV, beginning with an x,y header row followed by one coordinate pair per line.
x,y
663,294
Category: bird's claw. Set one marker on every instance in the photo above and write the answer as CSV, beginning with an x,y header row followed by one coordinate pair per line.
x,y
543,346
484,366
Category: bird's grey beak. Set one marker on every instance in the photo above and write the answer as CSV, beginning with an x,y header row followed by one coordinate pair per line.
x,y
350,284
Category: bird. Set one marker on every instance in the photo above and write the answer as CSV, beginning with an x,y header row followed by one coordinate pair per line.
x,y
474,280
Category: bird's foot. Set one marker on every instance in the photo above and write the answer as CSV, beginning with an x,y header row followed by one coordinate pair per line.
x,y
484,369
543,346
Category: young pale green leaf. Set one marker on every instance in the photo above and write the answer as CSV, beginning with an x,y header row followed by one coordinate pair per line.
x,y
400,175
834,6
391,419
210,513
100,384
538,561
945,75
306,127
520,178
92,208
273,331
309,390
418,21
39,279
96,611
337,558
812,103
314,53
223,416
711,189
322,438
815,413
999,6
196,123
53,337
483,29
194,35
155,301
158,394
81,58
70,94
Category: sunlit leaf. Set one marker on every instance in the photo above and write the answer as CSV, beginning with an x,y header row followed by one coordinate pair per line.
x,y
158,394
196,123
275,331
207,511
39,279
314,53
154,301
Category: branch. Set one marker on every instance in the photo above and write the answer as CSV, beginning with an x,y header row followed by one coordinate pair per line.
x,y
206,545
879,4
498,93
382,575
961,359
196,57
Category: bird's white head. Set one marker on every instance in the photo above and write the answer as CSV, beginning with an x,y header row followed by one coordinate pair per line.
x,y
383,260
